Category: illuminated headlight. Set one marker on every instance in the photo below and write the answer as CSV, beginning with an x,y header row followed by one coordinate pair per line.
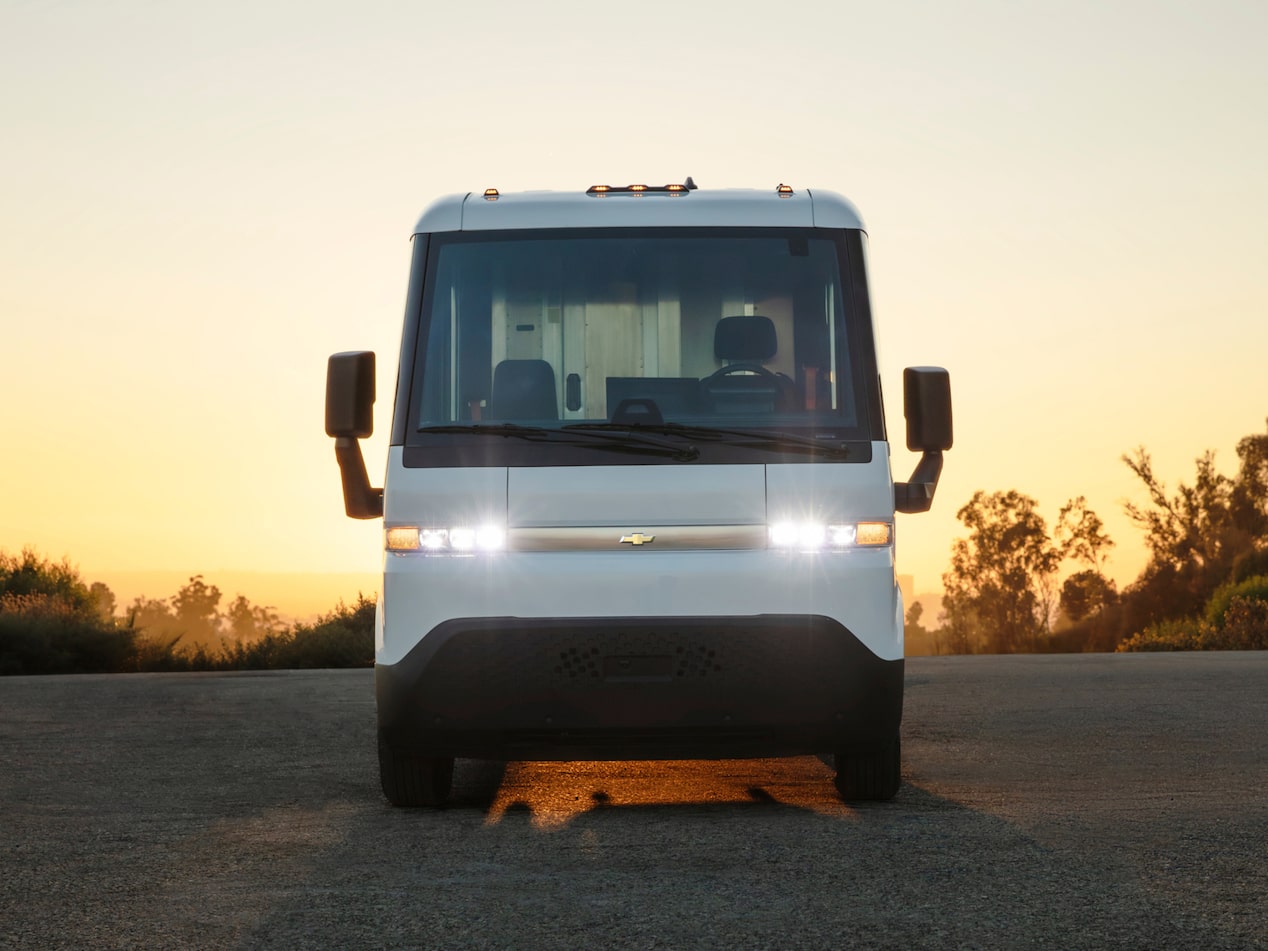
x,y
433,539
815,536
460,539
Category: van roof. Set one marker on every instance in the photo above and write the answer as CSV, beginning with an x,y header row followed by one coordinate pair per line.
x,y
619,208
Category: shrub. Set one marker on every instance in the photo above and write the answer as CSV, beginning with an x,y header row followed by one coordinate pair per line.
x,y
1254,588
1179,634
51,622
28,573
51,634
1243,627
342,638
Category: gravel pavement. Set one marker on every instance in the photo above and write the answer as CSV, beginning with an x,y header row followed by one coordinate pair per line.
x,y
1074,801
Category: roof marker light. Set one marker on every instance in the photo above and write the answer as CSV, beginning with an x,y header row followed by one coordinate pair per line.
x,y
490,194
783,191
676,190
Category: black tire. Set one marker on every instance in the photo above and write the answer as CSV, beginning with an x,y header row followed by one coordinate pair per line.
x,y
410,780
870,777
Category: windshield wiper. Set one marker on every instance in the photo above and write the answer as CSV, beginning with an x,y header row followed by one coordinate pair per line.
x,y
752,438
616,440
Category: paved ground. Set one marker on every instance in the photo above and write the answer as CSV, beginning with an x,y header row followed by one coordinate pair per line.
x,y
1088,801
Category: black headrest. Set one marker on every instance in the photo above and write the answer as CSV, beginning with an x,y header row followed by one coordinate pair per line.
x,y
749,337
524,389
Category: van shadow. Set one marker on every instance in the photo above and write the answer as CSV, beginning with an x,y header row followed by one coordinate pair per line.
x,y
763,853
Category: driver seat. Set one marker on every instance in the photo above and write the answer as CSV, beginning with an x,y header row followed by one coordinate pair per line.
x,y
744,386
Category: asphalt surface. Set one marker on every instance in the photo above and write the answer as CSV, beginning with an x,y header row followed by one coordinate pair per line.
x,y
1089,801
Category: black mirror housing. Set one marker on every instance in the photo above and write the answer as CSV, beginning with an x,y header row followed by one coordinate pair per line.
x,y
927,407
349,417
350,394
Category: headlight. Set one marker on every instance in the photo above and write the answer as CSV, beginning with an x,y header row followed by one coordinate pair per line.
x,y
460,539
815,536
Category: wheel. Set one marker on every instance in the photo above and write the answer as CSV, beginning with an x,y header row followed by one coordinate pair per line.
x,y
876,776
411,780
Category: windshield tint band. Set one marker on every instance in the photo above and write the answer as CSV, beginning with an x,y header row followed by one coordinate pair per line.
x,y
458,452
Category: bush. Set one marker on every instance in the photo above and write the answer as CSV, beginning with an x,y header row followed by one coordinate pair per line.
x,y
51,622
1246,625
49,634
29,574
1254,588
1243,627
342,638
1179,634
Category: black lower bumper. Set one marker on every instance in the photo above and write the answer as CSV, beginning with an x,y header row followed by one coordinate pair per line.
x,y
639,688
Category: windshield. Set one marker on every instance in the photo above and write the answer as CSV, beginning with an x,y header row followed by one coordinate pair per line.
x,y
734,329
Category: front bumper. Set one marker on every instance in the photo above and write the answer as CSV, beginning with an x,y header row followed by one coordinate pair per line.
x,y
639,688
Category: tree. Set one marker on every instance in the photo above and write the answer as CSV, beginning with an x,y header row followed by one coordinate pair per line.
x,y
1086,594
1080,535
249,622
1249,498
1192,528
1196,534
152,617
31,574
195,606
918,637
102,599
1001,575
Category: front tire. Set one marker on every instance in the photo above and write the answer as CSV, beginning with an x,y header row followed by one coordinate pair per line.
x,y
870,777
412,780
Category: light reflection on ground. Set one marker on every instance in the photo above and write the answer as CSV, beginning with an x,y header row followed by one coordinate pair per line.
x,y
553,794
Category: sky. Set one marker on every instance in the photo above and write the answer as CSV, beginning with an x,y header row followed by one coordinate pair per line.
x,y
1066,206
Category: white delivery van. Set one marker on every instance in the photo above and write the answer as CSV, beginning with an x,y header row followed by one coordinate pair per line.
x,y
638,501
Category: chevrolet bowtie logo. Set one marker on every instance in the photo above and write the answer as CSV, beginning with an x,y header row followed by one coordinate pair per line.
x,y
638,538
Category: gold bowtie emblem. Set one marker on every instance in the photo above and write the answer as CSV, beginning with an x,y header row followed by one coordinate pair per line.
x,y
638,538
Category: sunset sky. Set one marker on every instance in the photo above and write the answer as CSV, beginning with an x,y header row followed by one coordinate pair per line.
x,y
1067,207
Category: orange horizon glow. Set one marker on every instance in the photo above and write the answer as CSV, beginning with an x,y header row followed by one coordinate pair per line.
x,y
202,205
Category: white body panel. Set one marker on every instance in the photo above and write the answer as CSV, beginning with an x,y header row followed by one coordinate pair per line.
x,y
630,497
714,208
855,587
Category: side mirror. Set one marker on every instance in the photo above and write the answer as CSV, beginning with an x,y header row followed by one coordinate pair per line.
x,y
350,394
349,417
927,407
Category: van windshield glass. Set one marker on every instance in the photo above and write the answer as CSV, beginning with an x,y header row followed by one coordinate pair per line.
x,y
733,329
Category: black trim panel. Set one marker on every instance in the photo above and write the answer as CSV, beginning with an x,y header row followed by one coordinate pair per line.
x,y
409,340
861,317
639,688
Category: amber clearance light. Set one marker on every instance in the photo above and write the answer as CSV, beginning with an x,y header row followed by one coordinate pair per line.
x,y
461,539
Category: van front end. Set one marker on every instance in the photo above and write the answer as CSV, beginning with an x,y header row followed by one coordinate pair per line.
x,y
714,636
638,501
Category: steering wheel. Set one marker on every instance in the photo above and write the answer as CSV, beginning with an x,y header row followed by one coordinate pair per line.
x,y
754,368
785,389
